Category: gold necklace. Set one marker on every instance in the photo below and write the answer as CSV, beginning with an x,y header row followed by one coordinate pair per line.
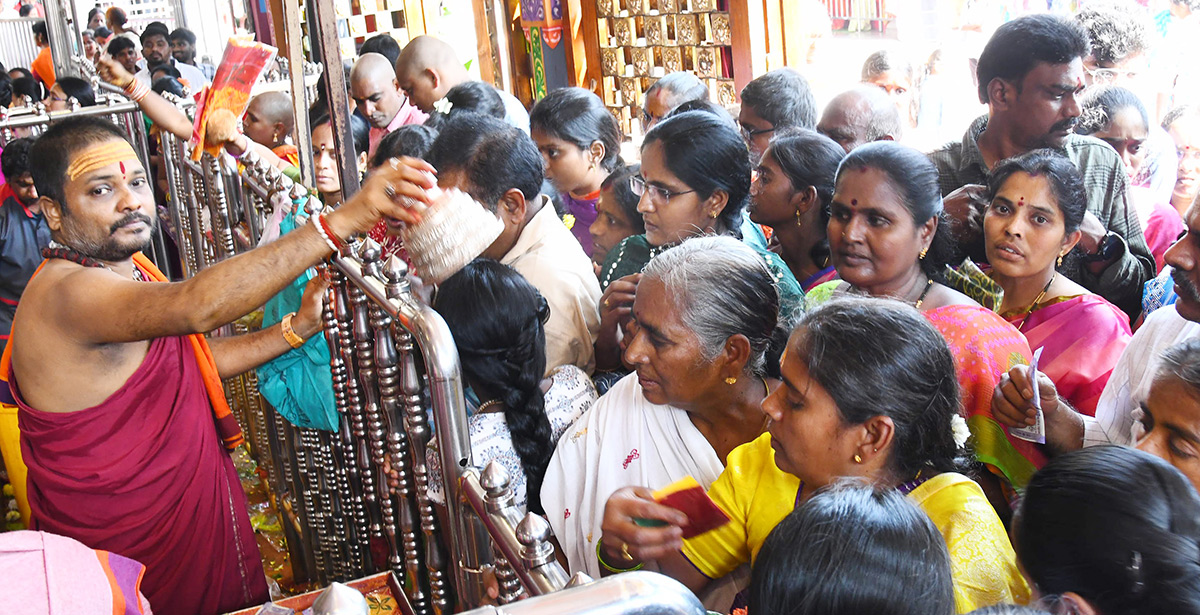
x,y
1033,306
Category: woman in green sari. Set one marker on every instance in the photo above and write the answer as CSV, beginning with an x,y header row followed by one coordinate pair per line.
x,y
695,180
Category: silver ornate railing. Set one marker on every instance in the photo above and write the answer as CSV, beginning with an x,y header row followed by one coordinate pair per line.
x,y
396,382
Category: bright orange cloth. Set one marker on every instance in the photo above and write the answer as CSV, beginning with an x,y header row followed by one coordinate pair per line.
x,y
289,153
227,425
43,68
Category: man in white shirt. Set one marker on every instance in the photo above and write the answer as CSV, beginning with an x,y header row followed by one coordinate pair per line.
x,y
500,167
1129,385
156,49
428,68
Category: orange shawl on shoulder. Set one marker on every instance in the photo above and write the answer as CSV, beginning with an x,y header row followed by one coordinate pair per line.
x,y
227,425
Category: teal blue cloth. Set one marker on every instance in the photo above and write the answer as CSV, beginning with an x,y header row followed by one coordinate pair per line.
x,y
298,384
752,234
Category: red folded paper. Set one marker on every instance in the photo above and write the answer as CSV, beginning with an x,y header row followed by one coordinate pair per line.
x,y
686,495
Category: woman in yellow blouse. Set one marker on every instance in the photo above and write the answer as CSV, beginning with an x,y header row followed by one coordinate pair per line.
x,y
870,392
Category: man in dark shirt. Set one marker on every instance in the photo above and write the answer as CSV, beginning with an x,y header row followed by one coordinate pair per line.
x,y
1030,73
23,231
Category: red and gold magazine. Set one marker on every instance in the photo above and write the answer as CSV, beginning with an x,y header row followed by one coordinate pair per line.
x,y
241,65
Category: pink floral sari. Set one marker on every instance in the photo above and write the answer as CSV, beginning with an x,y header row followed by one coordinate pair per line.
x,y
1083,336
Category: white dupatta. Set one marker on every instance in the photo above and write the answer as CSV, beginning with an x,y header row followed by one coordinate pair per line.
x,y
623,441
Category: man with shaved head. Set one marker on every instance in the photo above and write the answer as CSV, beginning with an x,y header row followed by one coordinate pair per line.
x,y
378,97
860,115
269,121
428,68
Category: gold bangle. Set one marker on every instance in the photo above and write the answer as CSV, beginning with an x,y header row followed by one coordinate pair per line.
x,y
289,334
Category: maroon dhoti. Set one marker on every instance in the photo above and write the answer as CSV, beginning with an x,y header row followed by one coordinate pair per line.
x,y
145,475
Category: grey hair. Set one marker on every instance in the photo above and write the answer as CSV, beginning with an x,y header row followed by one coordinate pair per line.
x,y
1182,361
885,118
681,87
722,288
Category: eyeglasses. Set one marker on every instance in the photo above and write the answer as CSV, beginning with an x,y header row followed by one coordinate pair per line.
x,y
658,194
1109,75
648,120
749,133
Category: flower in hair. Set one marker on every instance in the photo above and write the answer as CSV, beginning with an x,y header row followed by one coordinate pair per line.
x,y
443,106
962,433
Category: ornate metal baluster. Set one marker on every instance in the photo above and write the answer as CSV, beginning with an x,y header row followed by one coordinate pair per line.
x,y
197,200
365,445
510,585
222,228
537,552
371,440
417,427
351,412
398,445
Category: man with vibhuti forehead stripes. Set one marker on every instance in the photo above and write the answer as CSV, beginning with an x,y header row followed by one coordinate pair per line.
x,y
124,426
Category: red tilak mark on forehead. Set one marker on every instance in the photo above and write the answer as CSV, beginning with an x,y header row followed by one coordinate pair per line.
x,y
1021,201
122,167
862,169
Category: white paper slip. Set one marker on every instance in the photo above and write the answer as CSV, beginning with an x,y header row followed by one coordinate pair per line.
x,y
1037,431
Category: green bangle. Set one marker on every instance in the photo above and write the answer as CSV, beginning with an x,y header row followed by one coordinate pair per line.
x,y
609,568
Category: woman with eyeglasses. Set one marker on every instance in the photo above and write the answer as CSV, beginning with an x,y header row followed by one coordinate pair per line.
x,y
695,180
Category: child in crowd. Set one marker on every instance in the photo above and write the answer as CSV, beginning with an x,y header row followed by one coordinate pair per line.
x,y
580,142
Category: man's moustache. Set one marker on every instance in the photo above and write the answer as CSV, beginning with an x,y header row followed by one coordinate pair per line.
x,y
1184,286
132,218
1065,125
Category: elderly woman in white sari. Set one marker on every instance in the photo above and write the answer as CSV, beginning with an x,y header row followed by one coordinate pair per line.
x,y
703,319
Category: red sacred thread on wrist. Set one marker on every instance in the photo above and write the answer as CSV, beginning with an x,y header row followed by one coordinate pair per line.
x,y
342,246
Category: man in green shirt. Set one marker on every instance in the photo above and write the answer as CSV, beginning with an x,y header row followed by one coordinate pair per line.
x,y
1030,75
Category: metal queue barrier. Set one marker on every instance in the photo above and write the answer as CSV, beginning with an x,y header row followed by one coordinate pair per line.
x,y
395,369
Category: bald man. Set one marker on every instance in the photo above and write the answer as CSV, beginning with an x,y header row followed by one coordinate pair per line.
x,y
860,115
378,97
428,68
269,122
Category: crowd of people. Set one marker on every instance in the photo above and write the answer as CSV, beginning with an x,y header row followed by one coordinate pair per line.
x,y
964,379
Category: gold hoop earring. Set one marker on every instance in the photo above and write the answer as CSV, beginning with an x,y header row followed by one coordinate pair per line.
x,y
857,458
924,251
731,380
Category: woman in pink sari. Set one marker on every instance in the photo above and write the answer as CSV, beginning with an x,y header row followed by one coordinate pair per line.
x,y
1029,229
885,242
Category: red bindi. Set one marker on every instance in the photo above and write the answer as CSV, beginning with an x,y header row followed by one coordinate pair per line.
x,y
854,201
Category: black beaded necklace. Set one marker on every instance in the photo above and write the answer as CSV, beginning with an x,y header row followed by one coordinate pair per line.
x,y
58,250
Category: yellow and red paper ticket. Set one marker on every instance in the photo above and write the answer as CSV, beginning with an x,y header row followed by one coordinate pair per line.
x,y
243,62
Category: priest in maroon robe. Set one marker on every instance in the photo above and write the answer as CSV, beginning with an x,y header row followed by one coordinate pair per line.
x,y
124,427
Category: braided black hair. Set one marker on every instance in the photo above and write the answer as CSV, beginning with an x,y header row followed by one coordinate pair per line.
x,y
497,319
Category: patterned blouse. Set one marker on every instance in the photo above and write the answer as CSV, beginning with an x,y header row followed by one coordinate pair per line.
x,y
571,394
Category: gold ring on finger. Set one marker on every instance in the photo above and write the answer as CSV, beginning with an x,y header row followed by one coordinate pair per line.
x,y
625,552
